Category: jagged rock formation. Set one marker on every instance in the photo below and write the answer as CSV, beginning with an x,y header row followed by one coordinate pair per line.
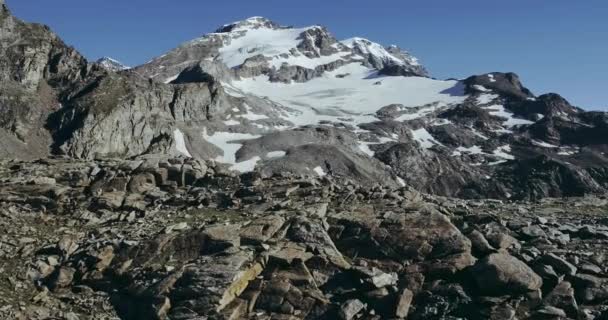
x,y
280,100
36,68
112,64
176,238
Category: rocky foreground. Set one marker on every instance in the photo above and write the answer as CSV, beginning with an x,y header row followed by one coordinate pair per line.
x,y
161,238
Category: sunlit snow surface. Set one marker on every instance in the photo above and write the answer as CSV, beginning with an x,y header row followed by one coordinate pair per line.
x,y
229,142
277,44
500,111
355,96
424,138
320,171
276,154
180,143
376,50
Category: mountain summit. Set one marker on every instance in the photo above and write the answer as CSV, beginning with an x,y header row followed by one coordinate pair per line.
x,y
249,24
259,97
112,64
257,46
269,172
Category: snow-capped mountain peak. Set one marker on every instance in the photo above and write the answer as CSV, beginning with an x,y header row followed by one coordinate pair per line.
x,y
258,46
112,64
380,57
249,24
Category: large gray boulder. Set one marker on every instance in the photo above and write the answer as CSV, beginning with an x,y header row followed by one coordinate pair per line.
x,y
501,273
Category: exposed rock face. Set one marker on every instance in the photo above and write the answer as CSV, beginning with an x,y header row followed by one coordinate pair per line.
x,y
301,104
391,61
111,64
507,84
281,180
431,170
175,238
36,69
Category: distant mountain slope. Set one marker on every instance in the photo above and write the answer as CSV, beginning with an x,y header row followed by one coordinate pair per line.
x,y
112,64
261,97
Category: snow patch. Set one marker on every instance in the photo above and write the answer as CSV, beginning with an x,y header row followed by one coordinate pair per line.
x,y
250,115
420,112
319,171
231,123
512,121
352,98
171,79
486,98
503,152
376,50
229,143
401,181
180,143
568,151
364,145
480,88
470,150
247,165
276,154
543,144
424,138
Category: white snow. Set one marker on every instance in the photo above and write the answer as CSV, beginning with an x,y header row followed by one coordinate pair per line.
x,y
401,181
112,63
420,113
425,139
232,91
503,152
278,45
319,171
479,134
355,97
229,143
231,123
486,98
171,79
568,151
250,115
500,111
480,88
364,145
366,46
491,77
469,150
496,162
276,154
544,144
247,165
180,143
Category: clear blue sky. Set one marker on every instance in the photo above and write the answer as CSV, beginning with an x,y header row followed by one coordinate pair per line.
x,y
554,45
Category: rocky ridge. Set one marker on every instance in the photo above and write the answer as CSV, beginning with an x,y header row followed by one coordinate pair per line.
x,y
302,103
112,64
176,238
272,172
